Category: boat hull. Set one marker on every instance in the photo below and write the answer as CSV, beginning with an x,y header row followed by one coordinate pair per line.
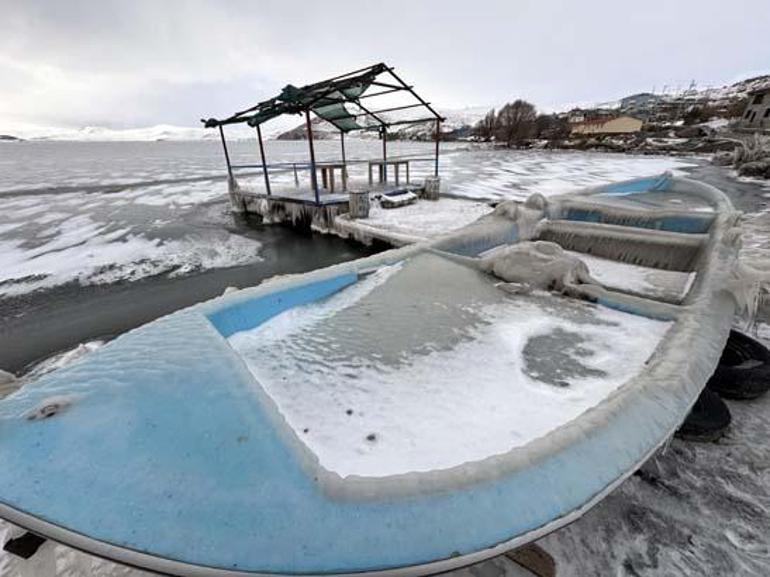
x,y
162,453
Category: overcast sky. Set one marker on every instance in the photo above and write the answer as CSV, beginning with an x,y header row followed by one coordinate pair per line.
x,y
144,62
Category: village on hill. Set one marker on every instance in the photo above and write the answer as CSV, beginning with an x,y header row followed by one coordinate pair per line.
x,y
731,122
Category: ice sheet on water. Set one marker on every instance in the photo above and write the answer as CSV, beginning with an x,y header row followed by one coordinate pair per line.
x,y
141,230
428,365
48,240
518,174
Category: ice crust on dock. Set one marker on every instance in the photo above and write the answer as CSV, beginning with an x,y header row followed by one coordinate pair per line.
x,y
387,377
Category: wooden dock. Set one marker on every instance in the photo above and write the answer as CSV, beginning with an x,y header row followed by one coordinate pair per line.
x,y
297,206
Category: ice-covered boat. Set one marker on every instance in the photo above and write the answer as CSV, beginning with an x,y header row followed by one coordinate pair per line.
x,y
406,413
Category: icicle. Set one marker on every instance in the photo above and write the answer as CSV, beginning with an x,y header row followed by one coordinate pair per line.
x,y
662,250
6,377
8,383
750,288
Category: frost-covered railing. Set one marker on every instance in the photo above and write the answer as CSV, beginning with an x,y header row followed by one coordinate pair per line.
x,y
296,167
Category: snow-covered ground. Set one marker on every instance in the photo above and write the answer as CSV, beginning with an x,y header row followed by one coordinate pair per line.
x,y
694,509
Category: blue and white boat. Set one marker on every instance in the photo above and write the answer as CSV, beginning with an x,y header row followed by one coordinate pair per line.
x,y
401,414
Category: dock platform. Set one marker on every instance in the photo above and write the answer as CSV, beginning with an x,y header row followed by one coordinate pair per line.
x,y
298,207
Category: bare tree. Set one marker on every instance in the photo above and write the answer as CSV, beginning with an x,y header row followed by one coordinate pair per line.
x,y
485,128
515,122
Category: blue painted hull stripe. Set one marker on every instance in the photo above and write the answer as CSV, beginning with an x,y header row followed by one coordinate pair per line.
x,y
652,184
251,313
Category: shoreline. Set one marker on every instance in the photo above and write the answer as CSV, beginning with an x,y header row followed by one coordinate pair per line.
x,y
43,322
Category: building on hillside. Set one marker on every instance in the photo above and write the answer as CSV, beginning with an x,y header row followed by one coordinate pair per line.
x,y
604,125
578,115
639,103
757,113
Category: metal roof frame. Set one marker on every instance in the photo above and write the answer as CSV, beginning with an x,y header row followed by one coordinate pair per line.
x,y
340,90
328,99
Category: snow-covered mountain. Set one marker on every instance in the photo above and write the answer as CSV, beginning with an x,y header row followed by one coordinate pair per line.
x,y
160,132
737,90
103,134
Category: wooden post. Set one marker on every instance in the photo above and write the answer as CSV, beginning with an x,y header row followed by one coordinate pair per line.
x,y
227,155
358,203
344,162
438,139
264,163
313,175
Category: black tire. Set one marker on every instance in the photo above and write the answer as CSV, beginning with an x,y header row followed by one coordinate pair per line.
x,y
708,420
744,369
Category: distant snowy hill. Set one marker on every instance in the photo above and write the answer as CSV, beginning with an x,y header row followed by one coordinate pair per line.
x,y
458,123
719,96
152,133
738,90
722,95
160,132
103,134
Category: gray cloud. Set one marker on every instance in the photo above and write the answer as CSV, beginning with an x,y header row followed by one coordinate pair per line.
x,y
144,62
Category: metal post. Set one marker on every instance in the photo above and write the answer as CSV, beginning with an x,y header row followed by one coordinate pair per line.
x,y
438,139
344,161
264,164
313,176
384,154
227,155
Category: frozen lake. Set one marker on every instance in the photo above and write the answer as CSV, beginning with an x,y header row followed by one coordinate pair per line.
x,y
139,229
96,213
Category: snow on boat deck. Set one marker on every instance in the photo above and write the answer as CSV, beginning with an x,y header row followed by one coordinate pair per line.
x,y
420,221
376,385
647,281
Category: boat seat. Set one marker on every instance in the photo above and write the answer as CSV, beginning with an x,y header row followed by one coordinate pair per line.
x,y
652,248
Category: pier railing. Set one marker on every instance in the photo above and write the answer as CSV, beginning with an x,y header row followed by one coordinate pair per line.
x,y
297,167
